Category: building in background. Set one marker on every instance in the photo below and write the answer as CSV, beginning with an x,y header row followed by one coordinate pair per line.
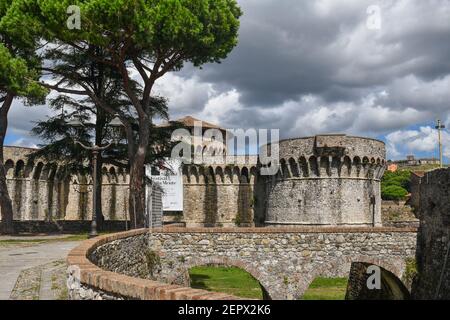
x,y
410,161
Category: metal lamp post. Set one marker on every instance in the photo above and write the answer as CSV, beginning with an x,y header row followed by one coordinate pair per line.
x,y
116,126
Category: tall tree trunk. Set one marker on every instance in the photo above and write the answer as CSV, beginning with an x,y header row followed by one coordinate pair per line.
x,y
137,195
137,174
5,200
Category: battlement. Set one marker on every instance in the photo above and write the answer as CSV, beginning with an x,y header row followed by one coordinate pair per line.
x,y
327,180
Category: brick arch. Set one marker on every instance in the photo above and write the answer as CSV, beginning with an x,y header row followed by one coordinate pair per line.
x,y
335,166
303,166
356,166
219,175
324,166
9,168
394,266
236,175
346,167
19,169
313,166
222,261
253,174
244,175
284,169
294,167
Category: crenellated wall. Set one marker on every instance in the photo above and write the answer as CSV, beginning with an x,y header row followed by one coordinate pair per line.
x,y
220,194
46,191
322,180
327,180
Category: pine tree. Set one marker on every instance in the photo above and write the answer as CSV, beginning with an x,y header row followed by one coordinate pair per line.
x,y
19,75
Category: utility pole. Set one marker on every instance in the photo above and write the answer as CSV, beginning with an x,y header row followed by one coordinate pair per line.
x,y
439,127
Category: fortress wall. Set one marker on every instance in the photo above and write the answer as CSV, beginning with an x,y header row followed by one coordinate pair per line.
x,y
433,242
327,180
45,191
222,195
324,202
322,180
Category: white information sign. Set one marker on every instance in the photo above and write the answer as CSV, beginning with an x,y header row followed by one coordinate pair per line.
x,y
171,181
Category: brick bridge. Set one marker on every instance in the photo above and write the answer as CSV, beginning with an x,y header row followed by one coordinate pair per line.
x,y
284,261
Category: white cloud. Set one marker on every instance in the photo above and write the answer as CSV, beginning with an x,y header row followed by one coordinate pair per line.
x,y
219,105
424,139
24,142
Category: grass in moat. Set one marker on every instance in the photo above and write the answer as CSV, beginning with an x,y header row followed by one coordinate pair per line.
x,y
326,289
229,280
238,282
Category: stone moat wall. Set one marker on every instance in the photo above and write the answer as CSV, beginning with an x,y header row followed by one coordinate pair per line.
x,y
86,281
284,261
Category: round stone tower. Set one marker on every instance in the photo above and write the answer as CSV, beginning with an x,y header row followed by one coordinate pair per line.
x,y
326,180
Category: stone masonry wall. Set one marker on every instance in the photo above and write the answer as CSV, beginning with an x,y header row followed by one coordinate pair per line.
x,y
433,244
122,252
219,195
127,256
285,262
327,180
45,192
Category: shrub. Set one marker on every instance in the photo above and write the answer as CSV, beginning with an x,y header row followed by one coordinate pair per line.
x,y
393,192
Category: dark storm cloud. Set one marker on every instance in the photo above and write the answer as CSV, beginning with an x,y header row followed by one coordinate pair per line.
x,y
289,48
309,67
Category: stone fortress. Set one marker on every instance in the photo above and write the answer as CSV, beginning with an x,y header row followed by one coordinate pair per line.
x,y
326,180
321,214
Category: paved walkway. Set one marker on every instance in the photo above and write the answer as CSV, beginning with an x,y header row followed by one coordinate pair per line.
x,y
25,261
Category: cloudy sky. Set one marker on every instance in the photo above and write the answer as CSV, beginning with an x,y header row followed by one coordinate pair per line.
x,y
322,66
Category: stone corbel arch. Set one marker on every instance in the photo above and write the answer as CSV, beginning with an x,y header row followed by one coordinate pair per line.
x,y
396,266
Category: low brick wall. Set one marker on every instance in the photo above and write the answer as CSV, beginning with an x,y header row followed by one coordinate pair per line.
x,y
86,281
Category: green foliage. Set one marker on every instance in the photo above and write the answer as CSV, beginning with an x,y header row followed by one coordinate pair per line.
x,y
393,192
410,272
395,185
229,280
19,74
400,178
205,30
